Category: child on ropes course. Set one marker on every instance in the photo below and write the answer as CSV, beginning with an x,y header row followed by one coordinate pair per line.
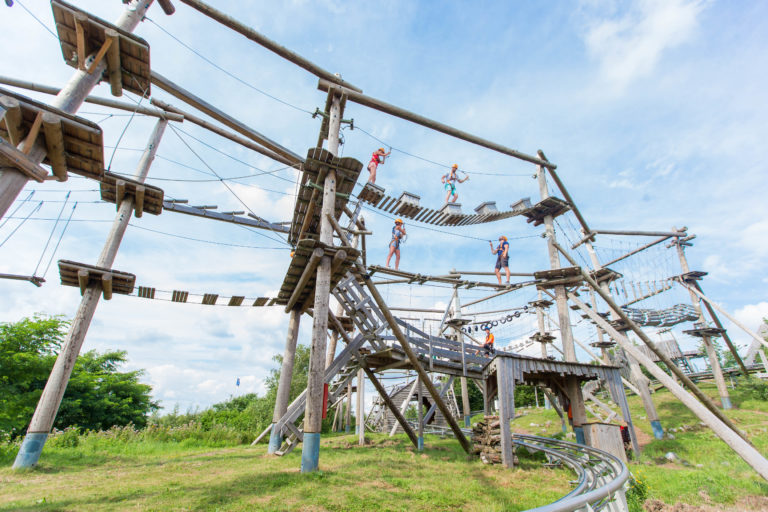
x,y
377,158
450,180
502,258
489,339
398,232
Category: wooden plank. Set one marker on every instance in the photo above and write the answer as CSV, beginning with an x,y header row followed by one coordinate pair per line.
x,y
80,22
236,300
106,286
138,198
12,157
209,299
82,279
12,119
100,55
54,141
31,137
114,71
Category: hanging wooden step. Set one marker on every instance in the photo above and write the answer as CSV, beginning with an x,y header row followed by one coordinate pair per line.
x,y
83,275
127,55
542,337
567,276
146,198
605,274
701,332
371,194
550,206
692,276
72,144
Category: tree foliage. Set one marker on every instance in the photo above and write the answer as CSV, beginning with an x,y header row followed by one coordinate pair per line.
x,y
98,395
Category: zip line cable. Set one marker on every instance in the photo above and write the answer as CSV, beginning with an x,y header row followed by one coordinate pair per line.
x,y
21,223
53,230
173,128
38,20
212,242
61,237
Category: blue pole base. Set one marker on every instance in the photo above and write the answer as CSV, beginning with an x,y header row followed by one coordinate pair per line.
x,y
579,431
275,440
346,429
467,421
726,401
420,443
310,452
658,432
30,450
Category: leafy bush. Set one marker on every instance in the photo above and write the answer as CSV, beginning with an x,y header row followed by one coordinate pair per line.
x,y
637,492
755,388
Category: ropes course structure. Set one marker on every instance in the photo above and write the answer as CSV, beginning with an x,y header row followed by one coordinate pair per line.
x,y
328,263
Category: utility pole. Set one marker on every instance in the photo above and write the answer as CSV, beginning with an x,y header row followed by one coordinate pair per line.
x,y
50,400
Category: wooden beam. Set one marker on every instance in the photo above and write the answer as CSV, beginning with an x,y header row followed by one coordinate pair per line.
x,y
138,199
54,141
306,275
80,20
27,168
267,43
114,68
12,118
82,280
667,234
565,193
106,286
387,108
108,42
34,131
119,192
338,259
167,6
227,120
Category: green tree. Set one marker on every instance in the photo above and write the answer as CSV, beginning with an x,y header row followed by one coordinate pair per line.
x,y
98,395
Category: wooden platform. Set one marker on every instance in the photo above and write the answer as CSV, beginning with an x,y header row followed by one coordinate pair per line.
x,y
421,279
404,206
542,338
701,332
82,34
605,274
316,166
543,303
566,276
550,206
83,275
146,198
73,144
300,261
692,276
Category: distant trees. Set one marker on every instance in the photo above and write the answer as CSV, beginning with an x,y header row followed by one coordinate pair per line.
x,y
98,395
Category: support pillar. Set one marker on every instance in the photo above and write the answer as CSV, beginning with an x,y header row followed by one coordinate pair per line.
x,y
313,412
50,400
420,416
286,375
578,410
544,355
464,388
348,412
360,409
505,385
717,371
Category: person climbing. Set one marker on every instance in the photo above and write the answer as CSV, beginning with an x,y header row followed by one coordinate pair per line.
x,y
502,258
489,339
398,232
450,180
377,158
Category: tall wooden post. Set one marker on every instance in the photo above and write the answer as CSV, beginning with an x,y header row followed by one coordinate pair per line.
x,y
464,387
563,314
286,375
420,416
69,100
640,380
348,412
717,371
360,409
50,400
540,322
313,413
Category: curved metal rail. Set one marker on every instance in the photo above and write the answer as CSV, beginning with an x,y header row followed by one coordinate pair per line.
x,y
601,476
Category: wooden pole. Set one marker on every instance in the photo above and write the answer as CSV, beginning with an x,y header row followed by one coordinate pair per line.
x,y
360,408
48,405
717,371
505,386
225,119
284,384
310,456
726,338
362,99
464,387
348,412
642,384
564,191
563,314
420,416
650,344
725,432
69,100
267,43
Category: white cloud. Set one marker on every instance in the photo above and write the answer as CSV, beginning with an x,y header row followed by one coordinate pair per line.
x,y
752,315
629,46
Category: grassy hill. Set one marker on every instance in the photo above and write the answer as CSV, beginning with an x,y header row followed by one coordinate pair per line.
x,y
111,471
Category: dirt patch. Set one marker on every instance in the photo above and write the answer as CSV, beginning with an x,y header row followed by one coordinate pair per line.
x,y
744,504
642,438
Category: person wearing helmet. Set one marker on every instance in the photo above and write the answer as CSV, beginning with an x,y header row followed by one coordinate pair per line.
x,y
489,339
398,232
450,180
377,158
502,257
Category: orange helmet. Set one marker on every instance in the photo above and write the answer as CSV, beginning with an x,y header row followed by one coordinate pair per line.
x,y
455,166
502,237
381,149
398,221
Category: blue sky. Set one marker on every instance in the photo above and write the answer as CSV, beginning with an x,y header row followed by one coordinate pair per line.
x,y
654,112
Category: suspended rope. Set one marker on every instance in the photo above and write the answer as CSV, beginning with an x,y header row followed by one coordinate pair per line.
x,y
21,203
53,230
22,223
53,254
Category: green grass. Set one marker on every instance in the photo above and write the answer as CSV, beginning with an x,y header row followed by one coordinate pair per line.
x,y
708,470
128,470
386,474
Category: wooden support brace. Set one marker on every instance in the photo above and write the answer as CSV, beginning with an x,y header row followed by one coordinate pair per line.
x,y
54,141
108,42
338,259
82,280
80,20
114,69
22,162
106,286
167,6
309,271
119,192
12,118
31,137
139,200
